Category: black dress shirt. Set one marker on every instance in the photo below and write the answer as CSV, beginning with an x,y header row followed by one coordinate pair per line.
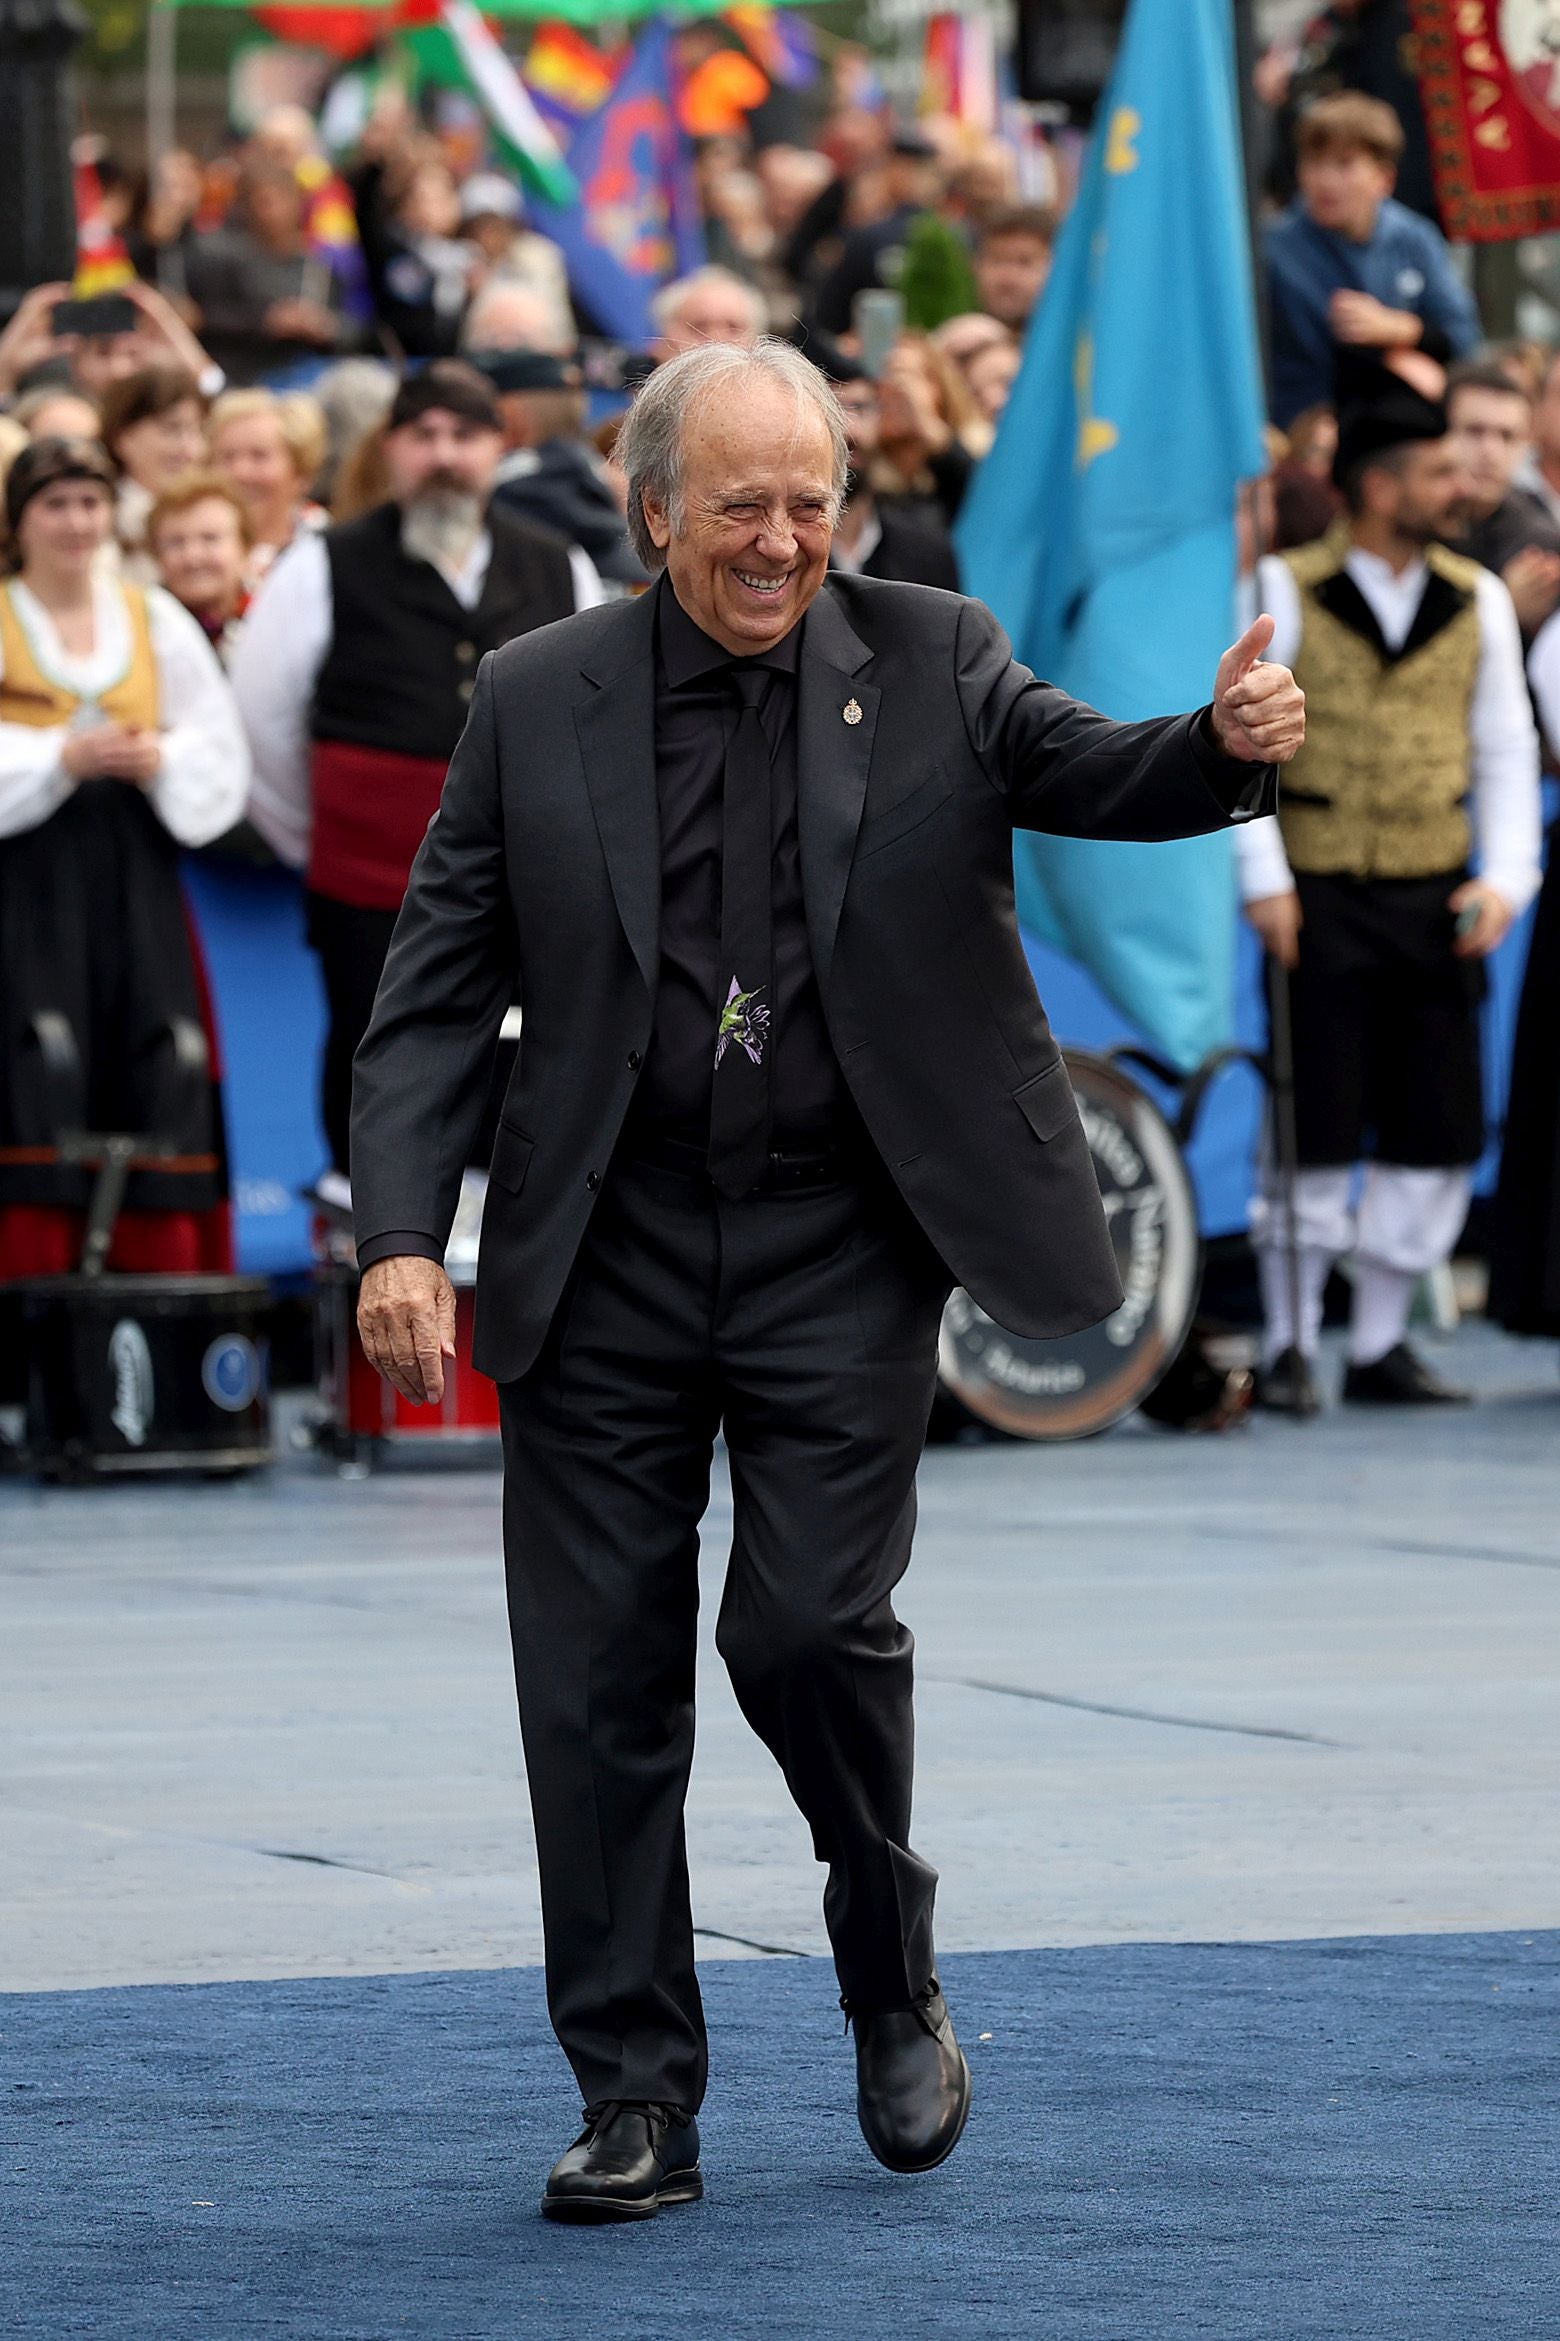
x,y
695,714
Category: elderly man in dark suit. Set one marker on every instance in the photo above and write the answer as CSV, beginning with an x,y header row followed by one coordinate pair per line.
x,y
744,847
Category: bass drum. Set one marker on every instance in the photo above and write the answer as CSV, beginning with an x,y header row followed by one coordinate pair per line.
x,y
1071,1388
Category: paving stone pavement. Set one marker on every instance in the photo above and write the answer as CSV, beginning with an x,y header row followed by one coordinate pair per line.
x,y
1299,1682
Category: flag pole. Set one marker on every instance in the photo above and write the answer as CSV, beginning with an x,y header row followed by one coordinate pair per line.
x,y
161,79
1285,1151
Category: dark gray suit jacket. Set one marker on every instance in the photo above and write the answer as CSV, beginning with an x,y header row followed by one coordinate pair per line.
x,y
542,871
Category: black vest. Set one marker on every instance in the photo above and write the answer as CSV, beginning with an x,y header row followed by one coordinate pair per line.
x,y
403,653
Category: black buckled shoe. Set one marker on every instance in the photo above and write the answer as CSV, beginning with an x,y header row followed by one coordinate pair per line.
x,y
1400,1379
1288,1386
627,2161
912,2083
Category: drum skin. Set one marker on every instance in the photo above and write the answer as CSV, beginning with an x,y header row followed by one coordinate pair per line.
x,y
146,1373
1085,1382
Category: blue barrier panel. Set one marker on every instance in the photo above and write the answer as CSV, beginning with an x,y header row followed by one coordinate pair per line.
x,y
271,1019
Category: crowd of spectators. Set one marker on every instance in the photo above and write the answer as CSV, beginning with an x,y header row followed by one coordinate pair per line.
x,y
282,295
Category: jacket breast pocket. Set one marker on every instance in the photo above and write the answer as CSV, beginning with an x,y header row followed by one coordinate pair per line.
x,y
512,1153
897,820
1046,1102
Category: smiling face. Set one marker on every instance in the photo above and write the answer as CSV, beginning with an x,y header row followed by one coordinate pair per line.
x,y
63,527
253,456
200,553
159,448
751,547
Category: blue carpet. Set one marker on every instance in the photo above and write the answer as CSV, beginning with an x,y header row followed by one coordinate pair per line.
x,y
1274,2143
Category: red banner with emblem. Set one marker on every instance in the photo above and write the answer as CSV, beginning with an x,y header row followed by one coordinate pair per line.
x,y
1489,72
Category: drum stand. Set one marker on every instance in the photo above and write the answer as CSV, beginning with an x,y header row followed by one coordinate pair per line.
x,y
358,1421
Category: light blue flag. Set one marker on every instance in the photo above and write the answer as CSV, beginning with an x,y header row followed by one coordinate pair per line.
x,y
1101,527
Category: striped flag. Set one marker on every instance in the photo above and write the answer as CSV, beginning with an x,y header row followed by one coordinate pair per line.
x,y
455,50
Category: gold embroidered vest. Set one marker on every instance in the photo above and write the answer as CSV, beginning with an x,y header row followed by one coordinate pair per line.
x,y
1379,790
28,695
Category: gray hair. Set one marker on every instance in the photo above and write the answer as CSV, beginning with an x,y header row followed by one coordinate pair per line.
x,y
651,444
666,304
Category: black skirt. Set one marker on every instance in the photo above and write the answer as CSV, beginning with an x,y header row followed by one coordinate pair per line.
x,y
94,930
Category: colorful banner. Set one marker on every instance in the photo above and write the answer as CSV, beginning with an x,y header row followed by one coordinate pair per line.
x,y
103,263
564,67
959,72
637,221
1489,72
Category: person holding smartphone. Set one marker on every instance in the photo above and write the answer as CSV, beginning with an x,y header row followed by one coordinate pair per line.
x,y
1405,843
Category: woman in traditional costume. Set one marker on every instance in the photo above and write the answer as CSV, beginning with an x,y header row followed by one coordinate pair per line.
x,y
119,743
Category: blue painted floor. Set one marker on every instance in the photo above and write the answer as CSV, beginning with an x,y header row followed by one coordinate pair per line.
x,y
1292,2142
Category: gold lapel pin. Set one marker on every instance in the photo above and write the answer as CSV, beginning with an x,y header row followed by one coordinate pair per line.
x,y
852,711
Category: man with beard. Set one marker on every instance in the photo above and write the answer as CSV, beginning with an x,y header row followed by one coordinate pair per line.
x,y
1406,841
355,668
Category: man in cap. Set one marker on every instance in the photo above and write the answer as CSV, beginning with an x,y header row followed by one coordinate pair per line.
x,y
355,668
1405,843
550,473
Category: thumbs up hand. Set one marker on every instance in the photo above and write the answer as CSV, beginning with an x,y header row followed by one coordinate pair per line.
x,y
1258,710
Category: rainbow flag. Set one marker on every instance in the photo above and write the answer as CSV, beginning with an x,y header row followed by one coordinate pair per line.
x,y
567,69
330,230
102,262
783,43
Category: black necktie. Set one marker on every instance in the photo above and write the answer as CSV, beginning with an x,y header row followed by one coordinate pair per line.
x,y
739,1102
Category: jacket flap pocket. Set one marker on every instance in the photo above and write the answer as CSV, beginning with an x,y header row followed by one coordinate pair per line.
x,y
511,1158
1046,1103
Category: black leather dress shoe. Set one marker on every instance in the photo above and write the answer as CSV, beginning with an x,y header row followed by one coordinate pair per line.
x,y
1400,1379
626,2162
912,2083
1288,1386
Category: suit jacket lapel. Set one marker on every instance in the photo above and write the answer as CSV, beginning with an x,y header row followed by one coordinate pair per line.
x,y
833,757
616,731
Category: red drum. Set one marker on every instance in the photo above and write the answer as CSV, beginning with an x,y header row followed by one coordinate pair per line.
x,y
361,1419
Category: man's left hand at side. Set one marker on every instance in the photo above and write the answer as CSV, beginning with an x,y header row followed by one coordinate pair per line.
x,y
1258,710
406,1318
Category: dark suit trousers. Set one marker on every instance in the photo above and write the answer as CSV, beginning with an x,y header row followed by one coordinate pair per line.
x,y
352,944
805,1323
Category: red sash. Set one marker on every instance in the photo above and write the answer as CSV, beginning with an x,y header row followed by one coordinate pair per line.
x,y
371,809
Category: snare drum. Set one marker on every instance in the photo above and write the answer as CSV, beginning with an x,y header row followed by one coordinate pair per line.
x,y
362,1416
134,1373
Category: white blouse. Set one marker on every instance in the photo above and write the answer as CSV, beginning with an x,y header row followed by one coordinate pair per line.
x,y
203,782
